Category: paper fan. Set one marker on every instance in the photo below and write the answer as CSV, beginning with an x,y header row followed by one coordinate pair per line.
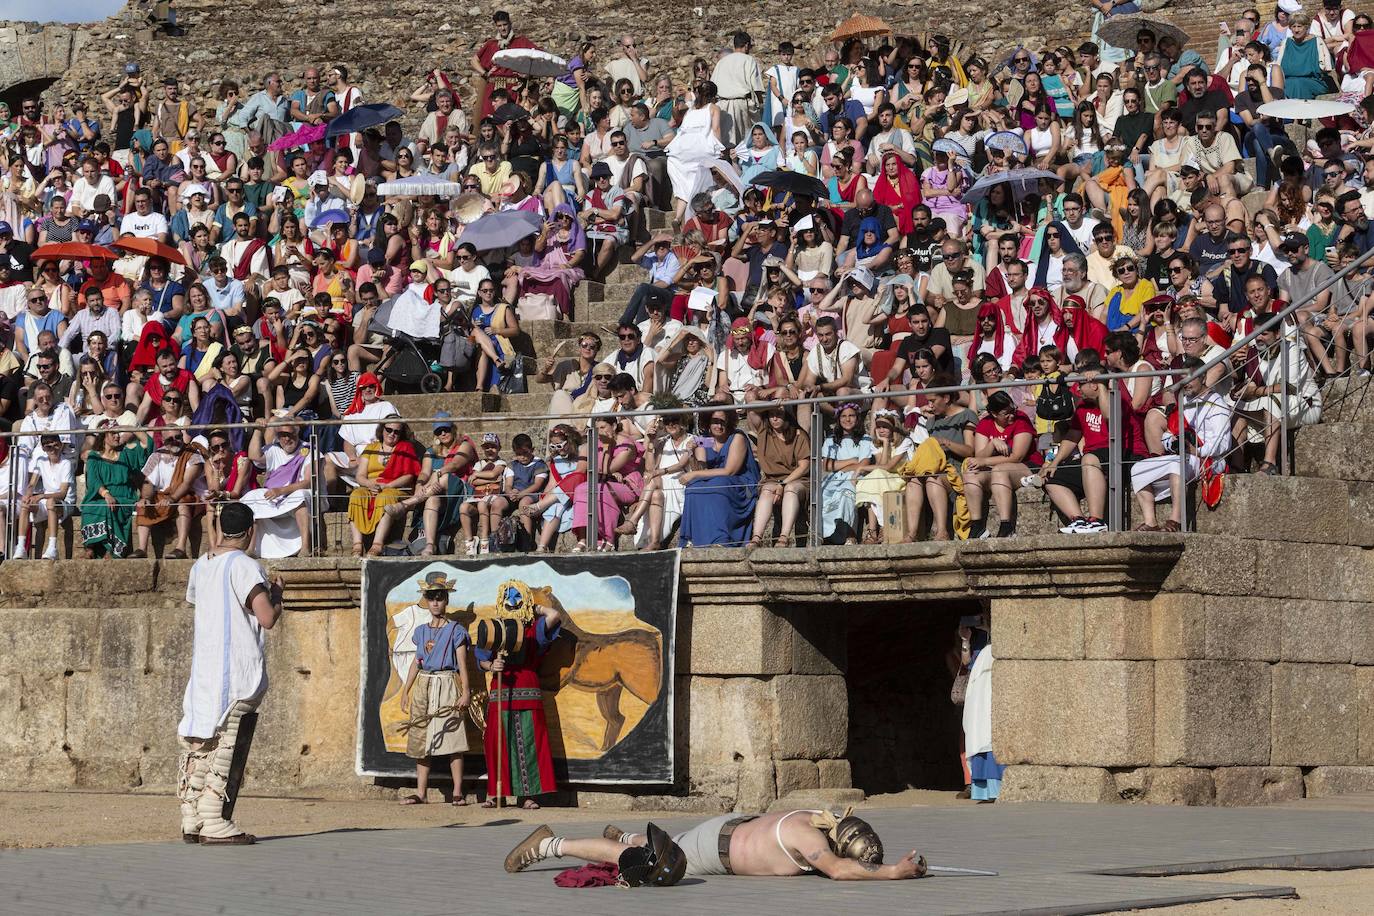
x,y
1007,142
950,147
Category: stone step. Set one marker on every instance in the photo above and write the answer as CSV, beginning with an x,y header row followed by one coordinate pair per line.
x,y
1335,450
1272,508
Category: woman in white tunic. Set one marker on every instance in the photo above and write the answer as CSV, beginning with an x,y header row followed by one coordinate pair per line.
x,y
663,490
695,150
280,508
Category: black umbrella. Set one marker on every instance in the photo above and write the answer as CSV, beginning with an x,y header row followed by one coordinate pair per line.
x,y
509,112
793,183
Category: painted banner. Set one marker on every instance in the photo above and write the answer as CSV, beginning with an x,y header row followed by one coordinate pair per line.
x,y
607,679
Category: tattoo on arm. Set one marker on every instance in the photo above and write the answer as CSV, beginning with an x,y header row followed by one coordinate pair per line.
x,y
814,856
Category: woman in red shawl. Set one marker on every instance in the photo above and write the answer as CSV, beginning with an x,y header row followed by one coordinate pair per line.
x,y
992,337
1044,324
387,471
899,189
1078,330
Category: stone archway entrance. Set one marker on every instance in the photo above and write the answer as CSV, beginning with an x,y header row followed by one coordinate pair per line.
x,y
904,732
27,89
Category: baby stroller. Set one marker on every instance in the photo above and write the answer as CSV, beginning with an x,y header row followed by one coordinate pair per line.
x,y
412,361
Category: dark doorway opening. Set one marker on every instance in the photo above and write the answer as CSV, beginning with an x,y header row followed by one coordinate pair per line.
x,y
29,89
904,733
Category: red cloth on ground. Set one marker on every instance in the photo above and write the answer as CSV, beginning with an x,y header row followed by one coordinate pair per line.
x,y
597,874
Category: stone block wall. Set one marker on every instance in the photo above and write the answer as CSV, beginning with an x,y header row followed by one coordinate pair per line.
x,y
1247,679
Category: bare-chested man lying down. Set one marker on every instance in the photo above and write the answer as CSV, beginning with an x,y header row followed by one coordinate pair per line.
x,y
778,845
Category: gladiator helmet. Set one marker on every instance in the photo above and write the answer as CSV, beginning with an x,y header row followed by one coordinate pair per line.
x,y
661,863
850,837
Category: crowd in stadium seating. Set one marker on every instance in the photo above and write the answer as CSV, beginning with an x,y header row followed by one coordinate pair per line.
x,y
878,218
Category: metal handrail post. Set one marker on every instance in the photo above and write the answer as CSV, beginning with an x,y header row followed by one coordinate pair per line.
x,y
1114,453
1283,401
593,485
1181,493
813,527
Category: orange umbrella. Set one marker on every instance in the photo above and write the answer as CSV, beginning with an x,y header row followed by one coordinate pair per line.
x,y
860,26
60,251
151,247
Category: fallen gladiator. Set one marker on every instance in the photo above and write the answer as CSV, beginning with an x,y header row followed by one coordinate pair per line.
x,y
842,847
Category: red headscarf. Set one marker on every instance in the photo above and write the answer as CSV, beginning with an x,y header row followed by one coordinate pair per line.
x,y
365,380
1030,334
1088,333
901,195
999,333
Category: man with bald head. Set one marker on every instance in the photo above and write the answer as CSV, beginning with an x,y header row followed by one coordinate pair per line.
x,y
863,208
629,65
313,103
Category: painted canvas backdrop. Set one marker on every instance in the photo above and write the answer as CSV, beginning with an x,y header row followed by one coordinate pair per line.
x,y
608,680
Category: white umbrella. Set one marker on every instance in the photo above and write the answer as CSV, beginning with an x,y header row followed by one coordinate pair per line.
x,y
420,186
1305,109
530,62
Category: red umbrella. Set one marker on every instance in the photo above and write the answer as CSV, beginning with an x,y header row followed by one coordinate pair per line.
x,y
73,250
151,247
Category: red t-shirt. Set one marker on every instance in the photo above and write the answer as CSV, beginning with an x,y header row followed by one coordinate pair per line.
x,y
1019,424
1091,423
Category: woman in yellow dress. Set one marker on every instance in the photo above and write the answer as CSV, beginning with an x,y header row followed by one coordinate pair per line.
x,y
387,471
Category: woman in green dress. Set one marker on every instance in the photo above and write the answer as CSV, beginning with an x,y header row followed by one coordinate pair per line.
x,y
113,475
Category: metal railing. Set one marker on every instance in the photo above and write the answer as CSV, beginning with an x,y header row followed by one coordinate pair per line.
x,y
1172,378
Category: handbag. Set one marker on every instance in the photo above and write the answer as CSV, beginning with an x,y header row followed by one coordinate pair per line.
x,y
537,307
959,689
1055,402
513,381
455,350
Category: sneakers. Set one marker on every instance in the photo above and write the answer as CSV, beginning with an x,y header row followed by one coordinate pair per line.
x,y
1083,525
527,853
472,547
51,552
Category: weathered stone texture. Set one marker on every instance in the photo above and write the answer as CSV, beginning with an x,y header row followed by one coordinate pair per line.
x,y
1237,786
1211,713
1311,704
1068,784
1090,713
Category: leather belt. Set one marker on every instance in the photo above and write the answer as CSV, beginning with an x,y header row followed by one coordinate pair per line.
x,y
723,844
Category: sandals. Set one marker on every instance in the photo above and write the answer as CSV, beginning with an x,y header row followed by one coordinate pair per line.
x,y
489,803
580,547
530,804
412,800
783,540
459,801
1268,468
755,542
138,555
627,528
872,537
1171,526
357,550
1144,527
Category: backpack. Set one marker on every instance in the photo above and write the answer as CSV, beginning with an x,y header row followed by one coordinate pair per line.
x,y
1055,402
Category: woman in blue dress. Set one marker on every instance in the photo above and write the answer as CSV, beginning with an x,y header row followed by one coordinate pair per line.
x,y
498,320
718,504
843,456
